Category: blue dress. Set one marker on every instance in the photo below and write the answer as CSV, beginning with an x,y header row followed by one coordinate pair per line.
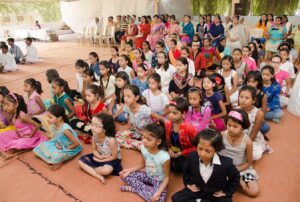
x,y
51,154
189,30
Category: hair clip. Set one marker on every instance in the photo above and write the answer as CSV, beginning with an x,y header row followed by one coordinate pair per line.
x,y
218,80
236,115
14,97
172,103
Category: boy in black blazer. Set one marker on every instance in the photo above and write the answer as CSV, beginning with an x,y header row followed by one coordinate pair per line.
x,y
207,176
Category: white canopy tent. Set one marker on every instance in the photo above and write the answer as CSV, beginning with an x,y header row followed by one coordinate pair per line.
x,y
80,13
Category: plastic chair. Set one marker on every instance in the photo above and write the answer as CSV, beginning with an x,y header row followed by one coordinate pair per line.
x,y
82,37
109,36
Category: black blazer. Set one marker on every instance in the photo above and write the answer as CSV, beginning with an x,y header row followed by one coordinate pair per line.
x,y
225,177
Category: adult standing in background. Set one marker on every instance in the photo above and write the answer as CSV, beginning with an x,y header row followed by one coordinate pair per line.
x,y
236,35
216,31
188,27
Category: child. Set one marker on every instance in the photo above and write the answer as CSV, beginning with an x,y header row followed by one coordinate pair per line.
x,y
139,116
180,134
139,59
65,144
210,54
283,78
256,116
141,79
198,57
215,98
165,70
88,78
285,64
147,52
208,176
27,134
117,103
60,89
255,80
223,49
239,65
80,66
222,89
251,64
5,118
253,52
238,147
94,104
105,158
35,105
107,81
272,89
185,52
94,64
51,74
129,49
125,66
152,184
182,79
230,76
159,47
198,113
156,99
174,53
114,60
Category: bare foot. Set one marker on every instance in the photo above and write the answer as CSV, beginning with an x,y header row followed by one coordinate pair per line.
x,y
102,179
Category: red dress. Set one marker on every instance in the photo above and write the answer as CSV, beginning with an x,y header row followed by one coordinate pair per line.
x,y
145,30
199,60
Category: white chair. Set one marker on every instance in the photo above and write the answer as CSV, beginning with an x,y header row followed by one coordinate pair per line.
x,y
81,38
109,36
256,33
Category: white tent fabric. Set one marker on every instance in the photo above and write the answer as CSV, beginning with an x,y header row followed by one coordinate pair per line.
x,y
81,13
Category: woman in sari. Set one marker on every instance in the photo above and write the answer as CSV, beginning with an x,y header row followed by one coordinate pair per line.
x,y
144,30
174,28
188,27
236,35
157,32
131,33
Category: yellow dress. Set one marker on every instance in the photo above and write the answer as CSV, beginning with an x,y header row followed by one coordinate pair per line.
x,y
8,128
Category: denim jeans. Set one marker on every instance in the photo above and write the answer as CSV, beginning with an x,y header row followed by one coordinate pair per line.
x,y
122,118
264,127
275,114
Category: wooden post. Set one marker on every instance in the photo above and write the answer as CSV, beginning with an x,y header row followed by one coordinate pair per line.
x,y
156,2
233,2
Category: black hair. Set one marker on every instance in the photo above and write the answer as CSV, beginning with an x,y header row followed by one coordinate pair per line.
x,y
156,77
90,73
250,89
108,124
166,65
116,49
161,44
158,131
199,92
279,17
230,59
96,90
51,74
276,56
35,85
245,123
95,55
249,49
290,41
143,66
148,44
174,41
213,79
136,92
143,57
213,136
265,22
271,70
271,14
146,19
254,54
28,39
126,58
256,76
4,46
180,103
285,16
237,49
258,41
11,40
17,99
82,64
4,91
58,111
105,64
186,49
124,76
284,50
184,61
62,83
130,43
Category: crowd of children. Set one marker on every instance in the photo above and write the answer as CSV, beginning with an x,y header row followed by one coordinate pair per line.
x,y
192,109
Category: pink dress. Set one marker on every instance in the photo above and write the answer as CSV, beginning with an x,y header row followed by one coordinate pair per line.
x,y
32,105
251,64
12,140
280,76
200,120
155,34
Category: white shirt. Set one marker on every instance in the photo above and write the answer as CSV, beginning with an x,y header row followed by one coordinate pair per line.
x,y
206,171
166,77
191,67
289,68
8,61
127,70
32,54
79,81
